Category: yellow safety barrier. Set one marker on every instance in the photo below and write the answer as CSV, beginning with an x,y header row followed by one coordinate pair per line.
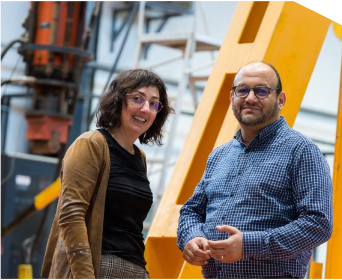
x,y
25,271
48,195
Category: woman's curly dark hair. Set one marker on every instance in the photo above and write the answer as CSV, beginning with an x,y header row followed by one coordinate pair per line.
x,y
109,111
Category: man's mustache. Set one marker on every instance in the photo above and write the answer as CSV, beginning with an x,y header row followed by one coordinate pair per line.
x,y
245,105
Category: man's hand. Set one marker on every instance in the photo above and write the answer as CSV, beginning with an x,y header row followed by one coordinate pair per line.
x,y
227,250
196,251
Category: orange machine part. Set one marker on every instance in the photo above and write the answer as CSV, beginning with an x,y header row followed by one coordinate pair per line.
x,y
44,21
43,127
61,24
75,26
44,29
61,27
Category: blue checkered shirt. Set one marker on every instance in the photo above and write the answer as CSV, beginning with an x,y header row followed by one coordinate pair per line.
x,y
277,191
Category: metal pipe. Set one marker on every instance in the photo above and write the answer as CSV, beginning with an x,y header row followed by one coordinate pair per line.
x,y
130,21
115,33
23,216
5,100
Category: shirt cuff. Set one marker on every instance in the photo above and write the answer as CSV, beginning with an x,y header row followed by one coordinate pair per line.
x,y
253,244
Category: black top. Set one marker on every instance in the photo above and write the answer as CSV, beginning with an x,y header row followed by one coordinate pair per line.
x,y
128,200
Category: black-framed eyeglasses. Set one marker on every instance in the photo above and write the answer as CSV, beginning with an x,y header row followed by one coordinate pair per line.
x,y
139,100
259,92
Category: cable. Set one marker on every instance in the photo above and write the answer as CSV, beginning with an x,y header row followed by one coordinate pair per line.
x,y
10,44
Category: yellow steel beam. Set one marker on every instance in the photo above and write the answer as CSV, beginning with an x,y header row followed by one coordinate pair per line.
x,y
189,271
285,34
315,270
338,30
333,264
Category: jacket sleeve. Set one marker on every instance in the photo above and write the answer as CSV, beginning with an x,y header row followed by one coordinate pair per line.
x,y
82,166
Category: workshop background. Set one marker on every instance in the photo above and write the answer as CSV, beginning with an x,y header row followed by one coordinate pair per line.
x,y
57,59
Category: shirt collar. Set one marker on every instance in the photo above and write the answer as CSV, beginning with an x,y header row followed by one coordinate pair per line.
x,y
264,134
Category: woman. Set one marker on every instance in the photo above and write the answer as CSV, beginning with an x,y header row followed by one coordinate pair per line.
x,y
105,195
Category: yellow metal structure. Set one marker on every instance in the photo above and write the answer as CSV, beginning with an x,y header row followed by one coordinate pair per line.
x,y
337,29
285,34
333,267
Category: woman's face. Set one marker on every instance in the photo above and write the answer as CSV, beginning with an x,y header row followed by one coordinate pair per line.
x,y
138,117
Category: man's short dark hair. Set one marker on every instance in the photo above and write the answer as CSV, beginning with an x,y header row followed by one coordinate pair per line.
x,y
111,103
279,85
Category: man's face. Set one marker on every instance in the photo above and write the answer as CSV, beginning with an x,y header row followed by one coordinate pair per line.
x,y
251,111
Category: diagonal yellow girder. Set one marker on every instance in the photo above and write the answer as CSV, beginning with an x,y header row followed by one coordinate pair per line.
x,y
333,267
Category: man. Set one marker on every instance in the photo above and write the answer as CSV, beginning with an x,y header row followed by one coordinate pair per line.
x,y
265,199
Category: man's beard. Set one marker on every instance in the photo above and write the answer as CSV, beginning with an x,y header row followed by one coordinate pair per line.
x,y
265,117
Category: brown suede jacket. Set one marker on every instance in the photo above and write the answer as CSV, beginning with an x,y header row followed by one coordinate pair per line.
x,y
74,245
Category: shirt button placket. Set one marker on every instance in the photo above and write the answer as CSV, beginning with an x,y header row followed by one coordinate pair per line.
x,y
219,268
241,163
